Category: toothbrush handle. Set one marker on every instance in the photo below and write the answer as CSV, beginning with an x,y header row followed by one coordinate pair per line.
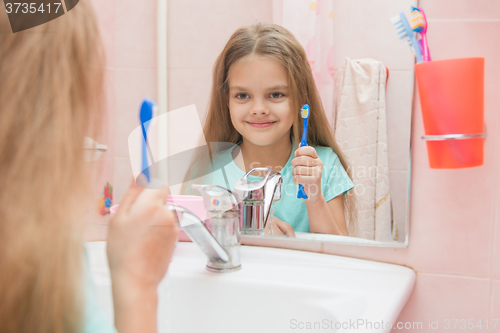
x,y
303,142
425,47
301,194
145,169
421,46
145,166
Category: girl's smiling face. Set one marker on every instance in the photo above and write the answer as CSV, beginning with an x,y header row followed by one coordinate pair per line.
x,y
259,103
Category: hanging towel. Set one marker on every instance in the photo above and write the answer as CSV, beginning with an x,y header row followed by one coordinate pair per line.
x,y
360,131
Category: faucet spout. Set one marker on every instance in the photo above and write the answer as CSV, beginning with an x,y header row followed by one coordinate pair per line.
x,y
272,191
223,223
200,235
256,198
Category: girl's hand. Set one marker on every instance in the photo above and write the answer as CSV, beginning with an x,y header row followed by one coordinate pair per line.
x,y
279,228
307,170
141,240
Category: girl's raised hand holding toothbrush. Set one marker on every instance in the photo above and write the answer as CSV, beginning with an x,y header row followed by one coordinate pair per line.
x,y
307,171
324,217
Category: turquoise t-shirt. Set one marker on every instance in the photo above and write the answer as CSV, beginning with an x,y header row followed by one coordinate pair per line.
x,y
334,181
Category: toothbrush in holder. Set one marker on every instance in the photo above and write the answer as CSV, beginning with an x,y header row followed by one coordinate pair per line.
x,y
145,116
419,25
305,112
405,32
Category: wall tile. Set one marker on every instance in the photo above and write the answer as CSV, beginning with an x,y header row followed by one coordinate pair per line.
x,y
135,38
105,12
109,112
189,86
122,178
131,87
441,297
198,30
460,9
398,184
495,302
378,35
95,232
104,165
495,253
495,265
466,39
495,177
450,214
342,31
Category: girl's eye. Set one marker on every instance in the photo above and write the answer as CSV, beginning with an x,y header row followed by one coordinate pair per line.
x,y
242,96
276,95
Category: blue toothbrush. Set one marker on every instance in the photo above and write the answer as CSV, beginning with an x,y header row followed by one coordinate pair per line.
x,y
405,32
145,116
305,111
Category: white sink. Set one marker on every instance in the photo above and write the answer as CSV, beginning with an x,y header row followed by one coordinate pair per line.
x,y
276,290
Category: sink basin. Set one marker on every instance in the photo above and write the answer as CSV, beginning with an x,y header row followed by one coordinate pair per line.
x,y
276,290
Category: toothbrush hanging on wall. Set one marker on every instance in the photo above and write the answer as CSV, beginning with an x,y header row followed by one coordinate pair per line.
x,y
405,32
419,26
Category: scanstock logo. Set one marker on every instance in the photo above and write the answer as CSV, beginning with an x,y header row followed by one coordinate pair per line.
x,y
25,15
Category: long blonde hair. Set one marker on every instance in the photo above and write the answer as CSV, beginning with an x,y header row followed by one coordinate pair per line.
x,y
275,42
50,85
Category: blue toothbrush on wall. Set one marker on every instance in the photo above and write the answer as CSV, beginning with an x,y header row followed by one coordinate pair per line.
x,y
145,116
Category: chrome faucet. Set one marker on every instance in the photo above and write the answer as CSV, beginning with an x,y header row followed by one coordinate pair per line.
x,y
200,235
219,239
255,199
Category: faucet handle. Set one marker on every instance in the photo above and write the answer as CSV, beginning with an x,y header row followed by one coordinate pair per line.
x,y
216,199
244,179
252,190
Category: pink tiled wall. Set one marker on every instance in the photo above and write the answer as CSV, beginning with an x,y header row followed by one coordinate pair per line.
x,y
454,223
128,29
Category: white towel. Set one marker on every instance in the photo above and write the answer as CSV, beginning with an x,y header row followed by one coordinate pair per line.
x,y
360,130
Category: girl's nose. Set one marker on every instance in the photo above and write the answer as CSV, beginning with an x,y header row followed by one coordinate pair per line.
x,y
259,108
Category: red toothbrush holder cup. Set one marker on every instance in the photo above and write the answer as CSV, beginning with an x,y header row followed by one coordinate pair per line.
x,y
452,100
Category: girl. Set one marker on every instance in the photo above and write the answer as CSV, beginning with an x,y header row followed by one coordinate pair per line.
x,y
50,89
260,81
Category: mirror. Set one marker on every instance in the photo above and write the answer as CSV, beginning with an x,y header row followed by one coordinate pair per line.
x,y
346,34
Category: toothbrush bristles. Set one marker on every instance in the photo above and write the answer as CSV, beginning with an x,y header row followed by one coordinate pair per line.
x,y
400,30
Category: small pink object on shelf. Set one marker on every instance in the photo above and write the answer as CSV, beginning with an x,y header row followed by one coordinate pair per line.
x,y
113,209
194,203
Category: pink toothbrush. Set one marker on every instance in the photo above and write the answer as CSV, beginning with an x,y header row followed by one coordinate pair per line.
x,y
418,24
